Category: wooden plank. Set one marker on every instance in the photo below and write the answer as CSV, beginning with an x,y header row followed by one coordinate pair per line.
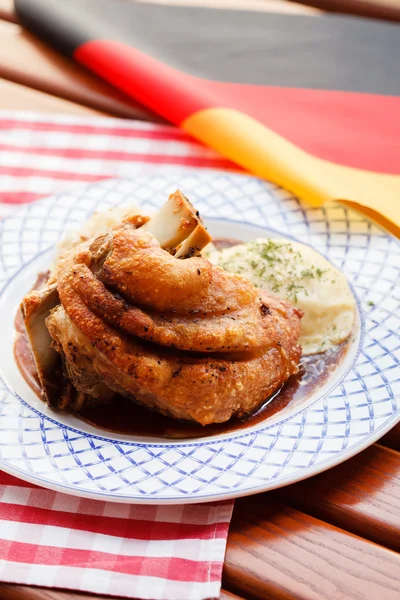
x,y
387,10
7,12
228,596
361,495
277,552
24,592
18,97
392,439
25,60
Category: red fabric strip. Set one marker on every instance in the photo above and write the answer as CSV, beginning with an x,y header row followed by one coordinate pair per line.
x,y
348,128
168,92
354,129
178,569
130,529
28,172
191,161
18,197
167,133
6,479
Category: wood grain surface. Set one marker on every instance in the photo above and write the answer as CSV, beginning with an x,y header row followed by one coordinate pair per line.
x,y
7,12
26,60
275,551
19,97
392,439
25,592
229,596
361,495
333,537
387,10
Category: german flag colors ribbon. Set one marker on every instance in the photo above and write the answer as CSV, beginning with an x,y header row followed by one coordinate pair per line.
x,y
311,103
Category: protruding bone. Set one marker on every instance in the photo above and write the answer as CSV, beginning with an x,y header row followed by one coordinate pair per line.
x,y
36,307
179,229
194,244
175,223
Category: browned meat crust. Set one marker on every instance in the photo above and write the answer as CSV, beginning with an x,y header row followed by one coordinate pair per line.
x,y
196,313
141,318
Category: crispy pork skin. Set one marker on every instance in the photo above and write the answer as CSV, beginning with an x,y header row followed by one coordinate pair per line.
x,y
194,346
139,312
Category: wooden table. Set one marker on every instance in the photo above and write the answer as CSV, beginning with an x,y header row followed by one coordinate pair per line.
x,y
335,536
386,10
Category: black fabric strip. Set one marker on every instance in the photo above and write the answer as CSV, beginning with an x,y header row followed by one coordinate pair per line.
x,y
325,52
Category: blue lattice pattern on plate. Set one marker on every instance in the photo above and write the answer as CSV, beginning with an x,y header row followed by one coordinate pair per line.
x,y
355,413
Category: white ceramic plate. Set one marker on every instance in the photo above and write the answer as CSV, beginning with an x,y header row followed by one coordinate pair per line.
x,y
357,404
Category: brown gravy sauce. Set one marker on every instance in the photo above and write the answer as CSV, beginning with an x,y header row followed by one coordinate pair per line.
x,y
126,417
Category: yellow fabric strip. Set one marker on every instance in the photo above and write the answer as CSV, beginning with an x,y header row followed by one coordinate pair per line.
x,y
265,153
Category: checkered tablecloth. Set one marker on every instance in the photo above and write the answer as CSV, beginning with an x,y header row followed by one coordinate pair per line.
x,y
43,154
51,539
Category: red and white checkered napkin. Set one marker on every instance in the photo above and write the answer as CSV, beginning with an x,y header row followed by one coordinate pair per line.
x,y
51,539
44,154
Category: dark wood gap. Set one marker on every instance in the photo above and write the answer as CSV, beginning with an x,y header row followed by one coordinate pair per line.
x,y
373,9
277,552
360,496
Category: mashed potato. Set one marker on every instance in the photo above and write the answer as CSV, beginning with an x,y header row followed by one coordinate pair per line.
x,y
302,276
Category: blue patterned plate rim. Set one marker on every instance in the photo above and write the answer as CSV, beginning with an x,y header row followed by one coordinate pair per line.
x,y
250,482
208,440
215,497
